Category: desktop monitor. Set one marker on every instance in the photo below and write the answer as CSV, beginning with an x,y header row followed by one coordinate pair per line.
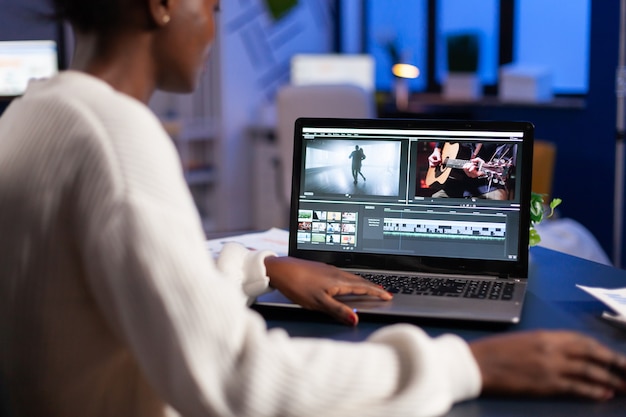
x,y
22,61
355,69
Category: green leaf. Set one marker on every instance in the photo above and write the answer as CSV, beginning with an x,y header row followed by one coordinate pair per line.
x,y
553,204
537,215
536,209
533,237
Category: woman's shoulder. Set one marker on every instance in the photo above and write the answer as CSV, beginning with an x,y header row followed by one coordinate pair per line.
x,y
81,100
80,111
85,92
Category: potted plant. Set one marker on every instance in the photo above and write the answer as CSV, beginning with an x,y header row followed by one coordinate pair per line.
x,y
539,212
462,81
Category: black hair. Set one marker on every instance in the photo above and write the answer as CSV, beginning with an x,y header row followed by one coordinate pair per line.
x,y
91,15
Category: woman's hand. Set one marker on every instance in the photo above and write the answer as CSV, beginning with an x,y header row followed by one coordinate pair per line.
x,y
315,285
547,363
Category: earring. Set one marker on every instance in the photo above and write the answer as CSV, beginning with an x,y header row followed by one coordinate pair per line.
x,y
166,19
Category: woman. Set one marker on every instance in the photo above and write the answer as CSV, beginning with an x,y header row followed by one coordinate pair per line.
x,y
111,306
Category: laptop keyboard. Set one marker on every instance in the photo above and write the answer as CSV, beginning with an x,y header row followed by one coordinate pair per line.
x,y
443,287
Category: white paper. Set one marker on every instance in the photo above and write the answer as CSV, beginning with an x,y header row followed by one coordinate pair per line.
x,y
275,240
612,298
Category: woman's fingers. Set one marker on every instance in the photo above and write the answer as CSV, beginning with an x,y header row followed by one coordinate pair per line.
x,y
348,285
352,284
338,310
314,285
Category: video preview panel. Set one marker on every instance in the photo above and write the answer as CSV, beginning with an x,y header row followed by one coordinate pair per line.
x,y
346,168
467,169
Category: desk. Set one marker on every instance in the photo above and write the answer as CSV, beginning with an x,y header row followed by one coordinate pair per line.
x,y
436,106
553,302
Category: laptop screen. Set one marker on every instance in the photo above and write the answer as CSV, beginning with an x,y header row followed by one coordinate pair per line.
x,y
446,194
21,61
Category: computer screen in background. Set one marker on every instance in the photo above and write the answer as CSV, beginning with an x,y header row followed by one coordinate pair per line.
x,y
355,69
22,61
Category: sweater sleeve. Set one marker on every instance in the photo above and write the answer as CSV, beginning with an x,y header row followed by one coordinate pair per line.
x,y
245,269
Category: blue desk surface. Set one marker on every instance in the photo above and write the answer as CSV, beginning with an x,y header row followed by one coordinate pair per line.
x,y
553,302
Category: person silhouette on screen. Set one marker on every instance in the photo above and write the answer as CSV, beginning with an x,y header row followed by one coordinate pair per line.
x,y
357,157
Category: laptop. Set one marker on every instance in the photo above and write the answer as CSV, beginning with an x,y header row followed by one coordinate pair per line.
x,y
366,199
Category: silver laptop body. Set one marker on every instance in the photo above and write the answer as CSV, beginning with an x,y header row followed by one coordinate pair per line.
x,y
451,254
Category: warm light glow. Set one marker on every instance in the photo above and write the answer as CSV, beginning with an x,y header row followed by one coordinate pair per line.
x,y
405,71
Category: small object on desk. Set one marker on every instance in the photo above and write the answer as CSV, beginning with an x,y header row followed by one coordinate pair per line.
x,y
274,239
613,298
617,320
518,83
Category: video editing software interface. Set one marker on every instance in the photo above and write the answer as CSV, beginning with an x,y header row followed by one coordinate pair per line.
x,y
450,193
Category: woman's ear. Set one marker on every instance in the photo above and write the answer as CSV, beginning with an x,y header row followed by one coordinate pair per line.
x,y
159,12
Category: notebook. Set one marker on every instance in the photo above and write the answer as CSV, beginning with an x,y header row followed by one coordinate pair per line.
x,y
448,238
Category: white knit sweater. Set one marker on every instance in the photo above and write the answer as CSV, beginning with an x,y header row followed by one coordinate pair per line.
x,y
111,306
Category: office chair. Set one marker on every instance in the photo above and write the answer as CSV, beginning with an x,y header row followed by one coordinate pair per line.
x,y
292,102
544,159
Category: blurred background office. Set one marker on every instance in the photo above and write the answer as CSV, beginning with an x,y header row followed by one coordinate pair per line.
x,y
546,61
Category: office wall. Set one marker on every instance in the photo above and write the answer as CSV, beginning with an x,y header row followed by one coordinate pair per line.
x,y
26,19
